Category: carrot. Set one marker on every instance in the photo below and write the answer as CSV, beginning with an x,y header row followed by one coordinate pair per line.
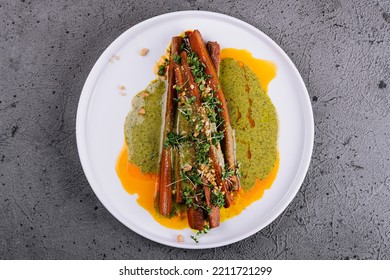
x,y
177,41
218,175
214,215
165,197
165,174
195,218
214,51
198,46
193,89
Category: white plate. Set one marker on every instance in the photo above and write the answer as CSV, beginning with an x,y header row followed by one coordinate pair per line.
x,y
102,110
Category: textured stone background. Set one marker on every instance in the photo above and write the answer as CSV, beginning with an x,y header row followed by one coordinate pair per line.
x,y
49,211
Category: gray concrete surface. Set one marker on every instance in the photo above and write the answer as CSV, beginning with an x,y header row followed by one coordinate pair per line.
x,y
49,211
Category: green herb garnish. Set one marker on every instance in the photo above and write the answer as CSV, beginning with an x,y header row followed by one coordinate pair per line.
x,y
161,70
218,199
200,233
162,67
227,173
197,68
176,58
174,140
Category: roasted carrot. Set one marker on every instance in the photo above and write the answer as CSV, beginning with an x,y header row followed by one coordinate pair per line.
x,y
165,174
214,214
214,51
165,197
191,86
218,175
195,216
198,46
193,90
175,51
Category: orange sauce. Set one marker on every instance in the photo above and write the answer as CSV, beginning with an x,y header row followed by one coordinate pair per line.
x,y
143,185
135,182
265,70
245,198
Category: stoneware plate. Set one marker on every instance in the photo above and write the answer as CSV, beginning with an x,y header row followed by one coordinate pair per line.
x,y
102,111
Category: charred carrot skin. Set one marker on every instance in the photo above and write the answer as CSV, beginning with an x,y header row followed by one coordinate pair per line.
x,y
218,176
195,218
177,41
165,174
214,50
198,46
191,86
165,197
214,214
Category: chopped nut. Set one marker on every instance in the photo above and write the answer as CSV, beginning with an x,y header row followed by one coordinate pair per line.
x,y
192,86
144,94
141,111
113,58
122,87
179,238
143,52
213,127
187,167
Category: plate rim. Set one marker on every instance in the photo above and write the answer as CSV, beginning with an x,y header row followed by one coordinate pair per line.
x,y
86,93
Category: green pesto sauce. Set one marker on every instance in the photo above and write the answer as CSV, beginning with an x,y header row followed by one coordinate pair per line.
x,y
253,118
142,132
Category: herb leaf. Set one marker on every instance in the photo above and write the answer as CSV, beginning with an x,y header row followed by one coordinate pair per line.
x,y
176,58
174,140
200,233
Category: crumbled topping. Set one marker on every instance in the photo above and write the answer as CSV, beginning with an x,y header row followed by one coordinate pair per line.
x,y
144,94
143,52
187,167
114,58
141,111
